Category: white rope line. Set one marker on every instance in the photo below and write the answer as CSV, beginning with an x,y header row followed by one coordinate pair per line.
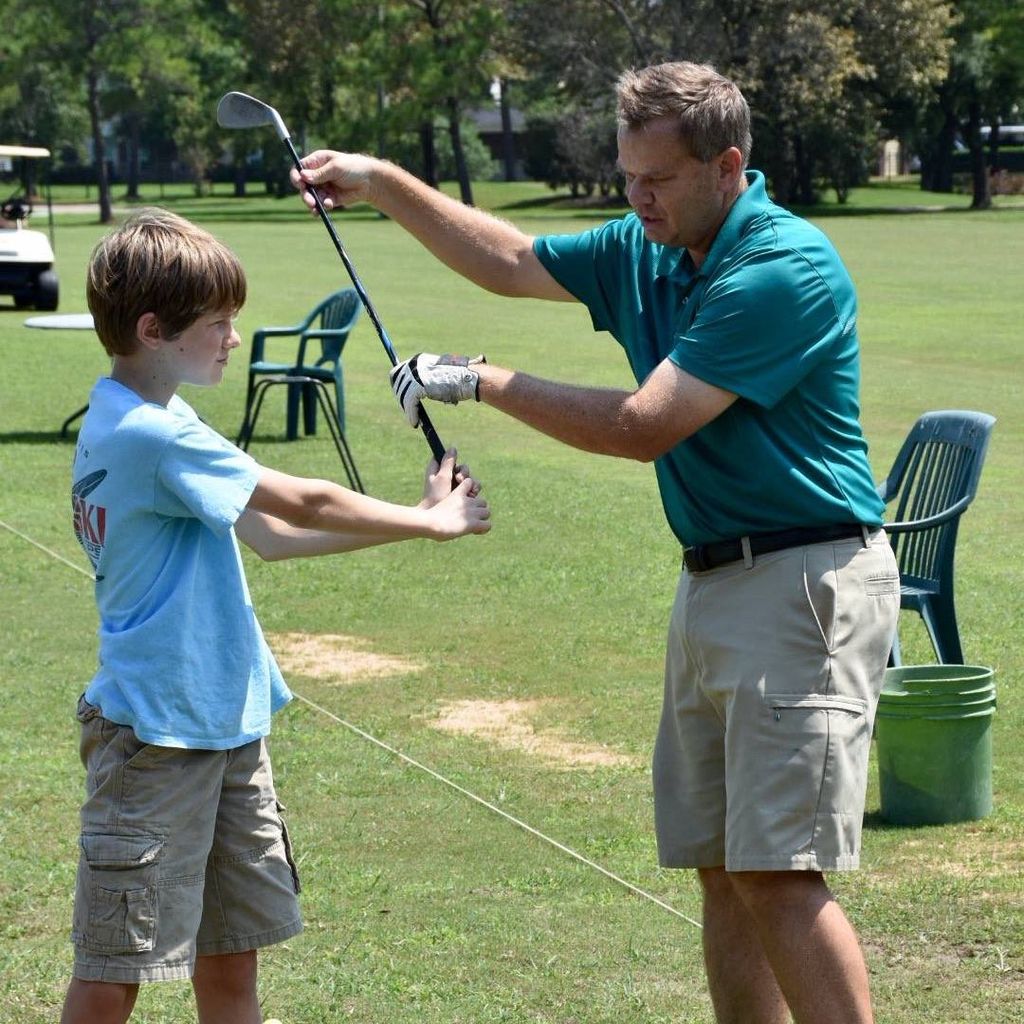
x,y
519,823
51,553
497,810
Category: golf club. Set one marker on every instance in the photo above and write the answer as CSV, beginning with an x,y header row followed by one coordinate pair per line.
x,y
239,110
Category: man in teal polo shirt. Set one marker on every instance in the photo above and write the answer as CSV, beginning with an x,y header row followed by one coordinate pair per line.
x,y
739,323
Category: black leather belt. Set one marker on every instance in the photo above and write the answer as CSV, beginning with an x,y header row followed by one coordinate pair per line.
x,y
702,557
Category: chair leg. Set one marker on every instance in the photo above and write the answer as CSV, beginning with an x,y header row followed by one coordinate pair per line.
x,y
308,409
339,397
939,616
292,413
259,393
340,443
895,659
245,431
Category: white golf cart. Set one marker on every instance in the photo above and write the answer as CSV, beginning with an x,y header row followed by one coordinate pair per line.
x,y
26,257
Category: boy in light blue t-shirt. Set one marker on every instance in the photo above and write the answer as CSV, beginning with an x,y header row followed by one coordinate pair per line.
x,y
185,867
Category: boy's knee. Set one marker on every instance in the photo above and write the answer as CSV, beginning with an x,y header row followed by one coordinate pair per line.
x,y
93,1001
227,971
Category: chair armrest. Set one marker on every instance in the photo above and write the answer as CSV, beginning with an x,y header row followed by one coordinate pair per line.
x,y
328,332
278,332
914,525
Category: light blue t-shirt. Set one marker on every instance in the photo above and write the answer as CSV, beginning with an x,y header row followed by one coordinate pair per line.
x,y
770,315
155,495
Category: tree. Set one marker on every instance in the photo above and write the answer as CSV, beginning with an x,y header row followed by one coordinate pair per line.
x,y
984,82
439,58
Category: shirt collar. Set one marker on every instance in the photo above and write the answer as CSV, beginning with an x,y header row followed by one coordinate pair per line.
x,y
675,263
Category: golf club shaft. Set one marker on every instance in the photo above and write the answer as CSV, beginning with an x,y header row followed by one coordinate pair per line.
x,y
436,447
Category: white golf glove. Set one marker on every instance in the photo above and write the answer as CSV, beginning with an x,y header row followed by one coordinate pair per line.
x,y
446,378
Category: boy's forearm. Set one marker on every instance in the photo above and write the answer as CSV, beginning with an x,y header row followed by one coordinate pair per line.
x,y
324,507
275,540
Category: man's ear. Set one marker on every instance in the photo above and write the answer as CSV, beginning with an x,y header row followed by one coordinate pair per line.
x,y
730,167
147,331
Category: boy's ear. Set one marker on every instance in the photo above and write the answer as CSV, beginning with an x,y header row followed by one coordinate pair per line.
x,y
147,331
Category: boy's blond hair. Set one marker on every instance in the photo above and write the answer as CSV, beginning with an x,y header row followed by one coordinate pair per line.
x,y
711,110
160,263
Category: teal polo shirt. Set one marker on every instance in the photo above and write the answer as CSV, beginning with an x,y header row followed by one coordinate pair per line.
x,y
771,315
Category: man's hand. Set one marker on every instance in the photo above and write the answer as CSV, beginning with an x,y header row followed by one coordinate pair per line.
x,y
340,179
444,378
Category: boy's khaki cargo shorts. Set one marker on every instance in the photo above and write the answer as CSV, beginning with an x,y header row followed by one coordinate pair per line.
x,y
771,682
182,853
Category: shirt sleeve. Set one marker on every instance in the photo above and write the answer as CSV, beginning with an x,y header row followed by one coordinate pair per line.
x,y
203,475
762,326
588,265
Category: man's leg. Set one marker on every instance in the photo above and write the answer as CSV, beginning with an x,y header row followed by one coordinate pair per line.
x,y
98,1002
225,988
740,979
810,944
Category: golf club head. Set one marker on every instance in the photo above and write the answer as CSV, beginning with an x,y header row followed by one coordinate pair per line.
x,y
239,110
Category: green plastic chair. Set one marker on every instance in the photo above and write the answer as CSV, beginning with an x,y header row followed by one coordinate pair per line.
x,y
330,323
933,481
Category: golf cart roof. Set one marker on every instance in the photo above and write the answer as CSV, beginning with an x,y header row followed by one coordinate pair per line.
x,y
30,151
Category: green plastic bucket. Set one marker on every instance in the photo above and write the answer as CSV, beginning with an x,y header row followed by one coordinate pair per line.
x,y
933,731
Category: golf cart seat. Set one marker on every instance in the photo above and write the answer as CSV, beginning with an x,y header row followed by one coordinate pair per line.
x,y
15,210
933,480
329,323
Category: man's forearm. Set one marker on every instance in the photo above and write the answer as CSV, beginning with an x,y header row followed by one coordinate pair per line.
x,y
600,420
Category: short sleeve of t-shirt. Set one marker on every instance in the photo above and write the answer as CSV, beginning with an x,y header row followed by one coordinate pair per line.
x,y
590,266
203,475
764,323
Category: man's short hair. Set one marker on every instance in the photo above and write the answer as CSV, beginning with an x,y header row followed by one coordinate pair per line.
x,y
712,113
160,263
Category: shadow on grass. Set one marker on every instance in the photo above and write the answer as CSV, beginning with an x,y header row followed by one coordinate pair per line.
x,y
38,437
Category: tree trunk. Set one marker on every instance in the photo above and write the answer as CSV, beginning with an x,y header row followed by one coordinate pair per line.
x,y
99,148
239,177
804,170
461,170
993,146
941,176
133,156
982,198
428,152
508,142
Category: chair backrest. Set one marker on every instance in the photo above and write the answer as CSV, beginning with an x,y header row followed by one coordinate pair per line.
x,y
338,312
938,466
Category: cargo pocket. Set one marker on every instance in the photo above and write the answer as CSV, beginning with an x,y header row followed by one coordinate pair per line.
x,y
289,856
118,879
823,741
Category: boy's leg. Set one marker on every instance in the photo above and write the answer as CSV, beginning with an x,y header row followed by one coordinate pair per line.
x,y
225,988
98,1002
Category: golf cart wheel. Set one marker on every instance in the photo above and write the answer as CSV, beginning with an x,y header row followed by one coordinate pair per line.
x,y
47,290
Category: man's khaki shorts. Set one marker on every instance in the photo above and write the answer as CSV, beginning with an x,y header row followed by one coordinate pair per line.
x,y
771,681
182,852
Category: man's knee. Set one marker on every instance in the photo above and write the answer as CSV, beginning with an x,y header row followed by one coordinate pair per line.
x,y
777,890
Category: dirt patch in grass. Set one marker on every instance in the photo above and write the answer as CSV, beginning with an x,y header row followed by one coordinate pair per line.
x,y
509,724
334,658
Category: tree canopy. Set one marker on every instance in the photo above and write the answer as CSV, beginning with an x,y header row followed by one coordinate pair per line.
x,y
825,81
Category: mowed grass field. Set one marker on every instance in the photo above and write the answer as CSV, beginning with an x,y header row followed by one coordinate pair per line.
x,y
421,905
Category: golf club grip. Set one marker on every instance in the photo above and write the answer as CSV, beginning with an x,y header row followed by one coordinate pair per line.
x,y
436,445
430,434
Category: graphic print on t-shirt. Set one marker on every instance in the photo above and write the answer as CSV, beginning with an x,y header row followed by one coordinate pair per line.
x,y
90,520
